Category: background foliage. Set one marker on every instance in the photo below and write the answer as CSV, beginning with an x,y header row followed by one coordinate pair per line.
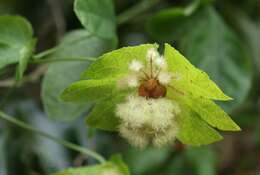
x,y
221,37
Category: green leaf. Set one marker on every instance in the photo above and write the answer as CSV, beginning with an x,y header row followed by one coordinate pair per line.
x,y
26,54
250,33
103,116
59,75
115,64
117,160
219,52
98,17
3,157
16,38
193,130
212,114
163,25
89,90
113,167
203,159
192,80
142,162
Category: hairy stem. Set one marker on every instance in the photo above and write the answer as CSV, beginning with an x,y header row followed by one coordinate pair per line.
x,y
65,143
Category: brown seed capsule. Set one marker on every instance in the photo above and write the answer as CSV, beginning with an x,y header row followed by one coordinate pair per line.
x,y
150,84
159,91
152,89
142,91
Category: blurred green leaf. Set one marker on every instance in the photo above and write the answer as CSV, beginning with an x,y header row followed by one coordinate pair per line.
x,y
52,156
203,160
98,17
161,26
79,43
113,167
218,51
250,32
3,157
17,43
178,166
142,162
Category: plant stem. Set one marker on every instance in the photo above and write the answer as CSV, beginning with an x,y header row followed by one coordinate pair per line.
x,y
62,59
45,53
135,10
57,140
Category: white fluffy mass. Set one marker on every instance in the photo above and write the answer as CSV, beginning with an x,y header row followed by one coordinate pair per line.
x,y
164,78
135,65
144,120
160,62
152,54
132,81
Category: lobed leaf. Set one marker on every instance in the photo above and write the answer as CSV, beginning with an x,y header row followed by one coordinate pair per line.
x,y
103,114
193,130
192,80
89,90
212,114
115,64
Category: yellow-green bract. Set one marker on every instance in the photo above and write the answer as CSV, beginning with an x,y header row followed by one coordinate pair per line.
x,y
199,114
115,166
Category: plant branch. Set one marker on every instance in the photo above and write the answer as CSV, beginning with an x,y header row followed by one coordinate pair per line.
x,y
36,61
45,53
41,70
34,76
65,143
136,10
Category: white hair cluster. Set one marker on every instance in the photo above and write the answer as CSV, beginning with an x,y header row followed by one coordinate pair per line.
x,y
164,78
148,120
160,62
149,117
152,54
138,71
135,65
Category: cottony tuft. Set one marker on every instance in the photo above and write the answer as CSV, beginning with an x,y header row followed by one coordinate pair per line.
x,y
148,117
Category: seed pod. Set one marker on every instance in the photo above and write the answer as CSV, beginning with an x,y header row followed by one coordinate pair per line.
x,y
143,92
152,89
159,91
150,84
